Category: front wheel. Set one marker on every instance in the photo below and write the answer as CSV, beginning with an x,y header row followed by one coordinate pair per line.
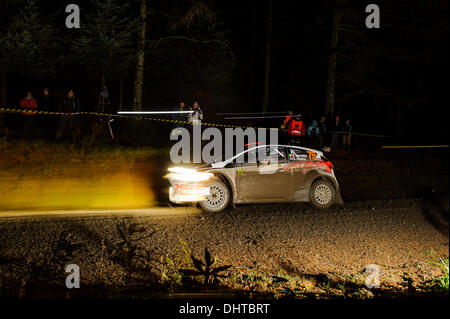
x,y
218,198
322,194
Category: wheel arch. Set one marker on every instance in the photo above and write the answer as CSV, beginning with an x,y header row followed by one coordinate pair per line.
x,y
228,183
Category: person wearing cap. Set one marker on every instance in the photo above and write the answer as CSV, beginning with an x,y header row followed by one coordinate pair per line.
x,y
296,130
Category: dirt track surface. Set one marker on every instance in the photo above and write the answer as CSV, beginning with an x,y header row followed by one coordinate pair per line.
x,y
400,236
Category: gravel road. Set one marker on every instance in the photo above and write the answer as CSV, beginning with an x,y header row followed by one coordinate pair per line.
x,y
400,236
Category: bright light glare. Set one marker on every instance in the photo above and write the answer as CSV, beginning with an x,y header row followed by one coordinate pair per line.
x,y
187,175
154,112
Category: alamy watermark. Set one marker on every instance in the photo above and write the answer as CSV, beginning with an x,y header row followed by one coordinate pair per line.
x,y
235,141
73,279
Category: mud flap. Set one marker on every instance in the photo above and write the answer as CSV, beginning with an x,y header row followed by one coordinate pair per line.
x,y
338,199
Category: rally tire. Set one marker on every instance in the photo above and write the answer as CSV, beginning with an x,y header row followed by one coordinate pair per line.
x,y
219,198
322,194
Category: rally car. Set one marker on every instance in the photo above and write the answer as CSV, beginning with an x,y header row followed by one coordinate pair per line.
x,y
260,174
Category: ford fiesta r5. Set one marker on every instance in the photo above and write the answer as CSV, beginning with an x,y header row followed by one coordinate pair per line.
x,y
261,174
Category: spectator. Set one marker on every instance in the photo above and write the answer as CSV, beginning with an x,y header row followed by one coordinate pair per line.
x,y
104,105
180,116
69,104
284,128
46,103
347,135
313,134
296,130
97,124
197,116
286,120
336,127
176,127
28,102
322,132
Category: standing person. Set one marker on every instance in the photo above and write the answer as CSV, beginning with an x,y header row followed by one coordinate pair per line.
x,y
46,103
183,117
180,116
197,116
284,127
69,104
322,132
28,102
336,127
296,130
106,104
347,135
313,134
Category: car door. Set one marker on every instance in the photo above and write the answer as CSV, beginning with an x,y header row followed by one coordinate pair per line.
x,y
301,163
267,179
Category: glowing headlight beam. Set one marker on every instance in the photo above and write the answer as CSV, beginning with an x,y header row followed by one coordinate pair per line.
x,y
155,112
187,175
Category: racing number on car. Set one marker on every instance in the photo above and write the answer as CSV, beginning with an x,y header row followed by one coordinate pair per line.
x,y
239,171
311,155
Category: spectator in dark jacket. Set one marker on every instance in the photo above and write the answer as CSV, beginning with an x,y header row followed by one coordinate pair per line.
x,y
46,103
335,127
180,116
69,104
322,132
313,134
347,136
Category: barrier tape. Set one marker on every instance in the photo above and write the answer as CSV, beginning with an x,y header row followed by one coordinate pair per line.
x,y
5,109
14,110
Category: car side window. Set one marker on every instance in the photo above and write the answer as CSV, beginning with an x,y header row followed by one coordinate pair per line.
x,y
296,155
245,159
274,154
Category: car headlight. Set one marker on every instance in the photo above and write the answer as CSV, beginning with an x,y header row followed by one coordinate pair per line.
x,y
187,175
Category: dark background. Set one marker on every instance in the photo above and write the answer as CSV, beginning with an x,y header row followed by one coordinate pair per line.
x,y
392,80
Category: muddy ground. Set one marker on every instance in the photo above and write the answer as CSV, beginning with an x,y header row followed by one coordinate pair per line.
x,y
395,216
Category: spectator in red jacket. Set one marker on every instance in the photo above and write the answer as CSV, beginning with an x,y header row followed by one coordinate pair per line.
x,y
296,130
28,102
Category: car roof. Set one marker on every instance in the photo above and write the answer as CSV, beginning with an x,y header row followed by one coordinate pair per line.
x,y
266,145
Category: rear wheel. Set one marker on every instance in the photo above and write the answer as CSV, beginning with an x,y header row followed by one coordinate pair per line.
x,y
322,194
218,198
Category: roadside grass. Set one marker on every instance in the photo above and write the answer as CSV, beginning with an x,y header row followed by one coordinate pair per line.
x,y
441,282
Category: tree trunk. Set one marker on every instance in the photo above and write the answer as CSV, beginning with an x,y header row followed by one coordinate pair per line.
x,y
329,99
3,87
251,73
140,53
267,62
121,94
